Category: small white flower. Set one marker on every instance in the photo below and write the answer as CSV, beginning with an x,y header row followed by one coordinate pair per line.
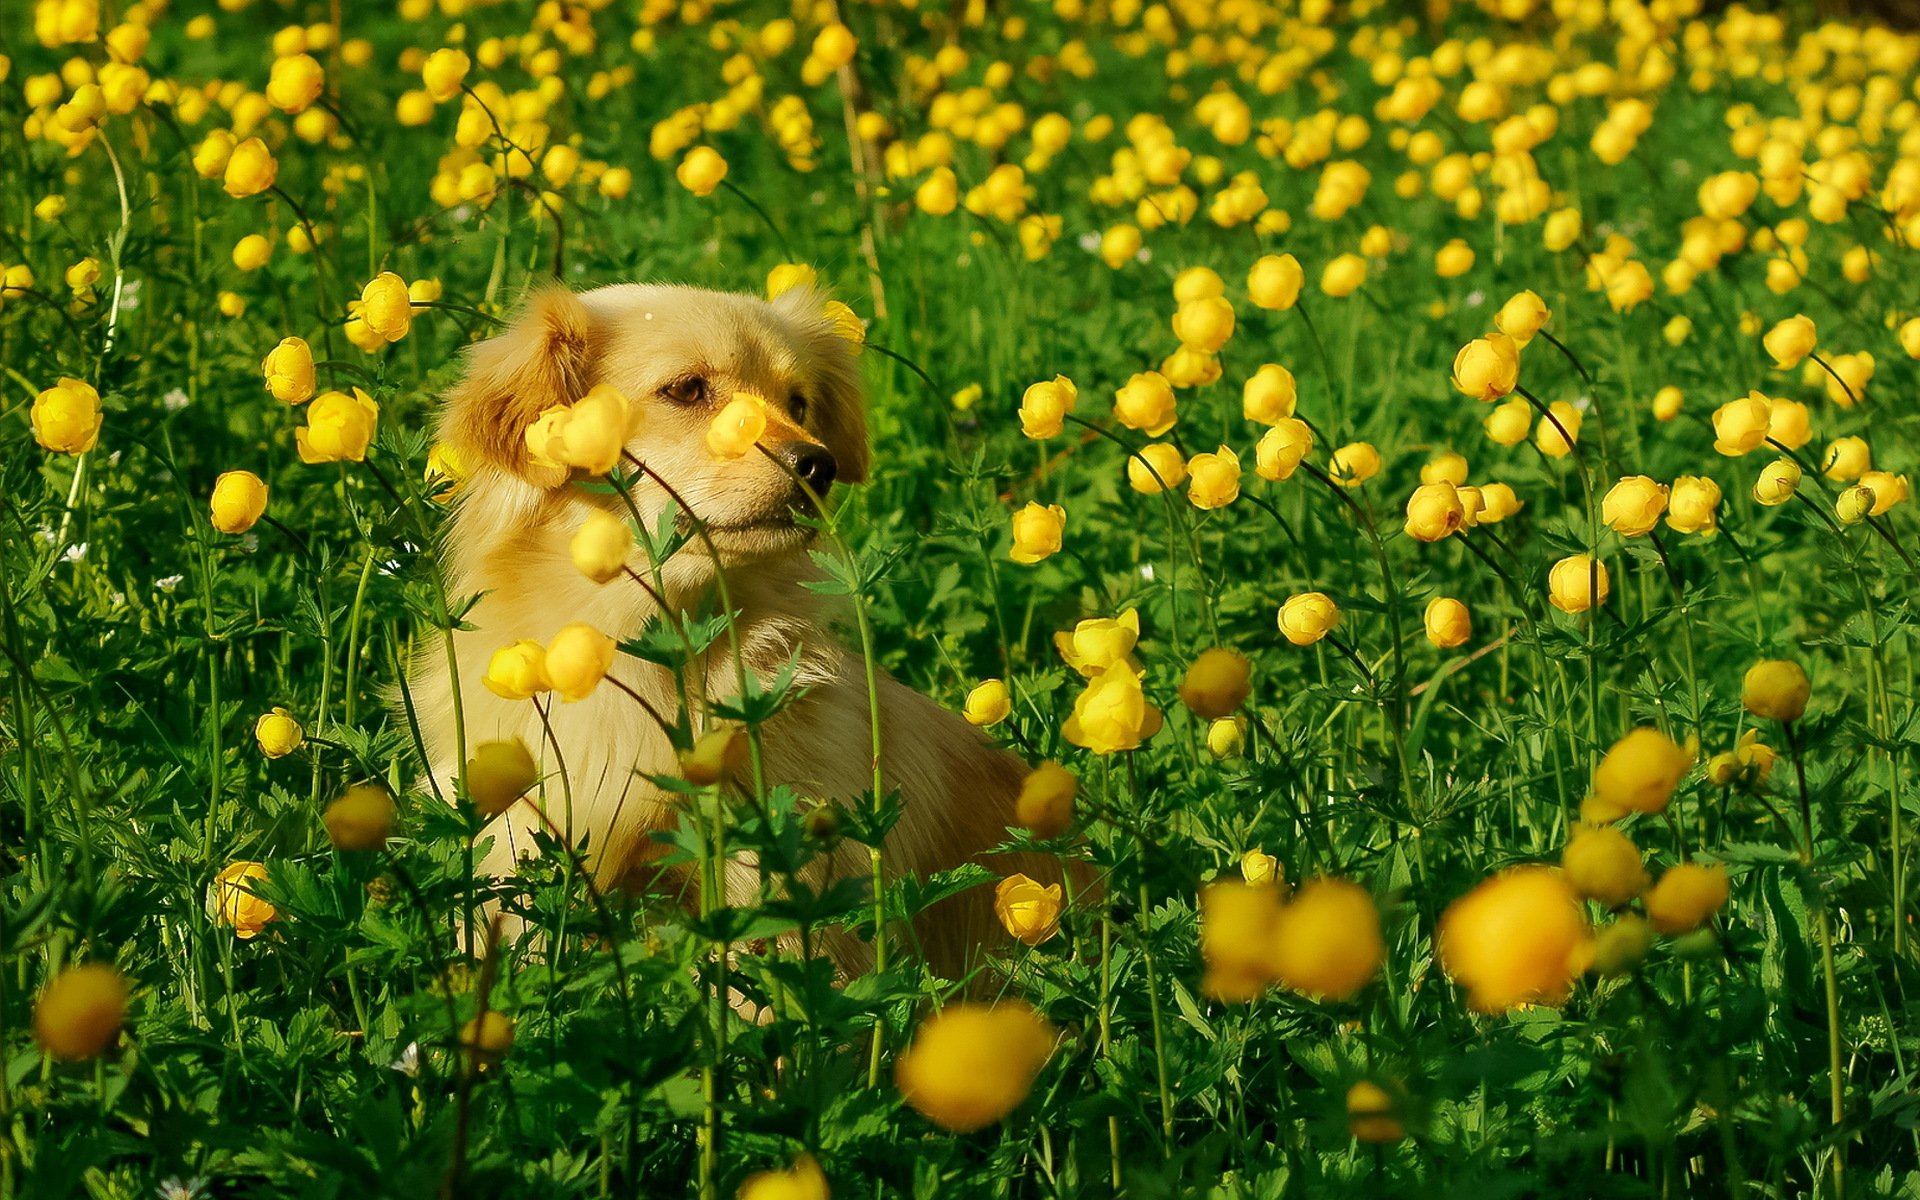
x,y
130,295
1090,242
75,552
177,1188
409,1061
169,583
175,400
1146,571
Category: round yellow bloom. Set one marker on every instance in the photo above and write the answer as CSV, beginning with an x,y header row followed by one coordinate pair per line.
x,y
1327,941
1776,689
1113,713
1910,337
234,902
1045,805
361,819
972,1064
1371,1114
518,671
1521,317
278,734
386,307
1155,468
1632,506
443,72
1888,490
1257,866
250,169
1038,532
601,546
1497,503
1270,395
1045,405
1558,430
1237,927
1448,623
1100,642
1445,467
66,418
1777,483
701,171
1307,617
988,703
1846,458
251,252
1667,402
339,426
738,427
1695,506
1281,449
1577,582
239,500
1146,403
1344,276
1354,463
1027,910
1518,938
1213,480
499,773
294,82
802,1181
1854,505
1686,897
1453,259
1487,368
1204,325
1227,736
1640,772
1434,512
578,658
1619,947
1741,425
1603,864
717,755
487,1039
1275,280
1790,341
1218,682
288,368
1509,423
79,1013
786,276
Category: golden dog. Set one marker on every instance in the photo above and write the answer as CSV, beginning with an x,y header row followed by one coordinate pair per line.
x,y
681,353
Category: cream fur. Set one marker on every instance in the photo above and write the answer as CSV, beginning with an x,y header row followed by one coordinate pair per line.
x,y
507,542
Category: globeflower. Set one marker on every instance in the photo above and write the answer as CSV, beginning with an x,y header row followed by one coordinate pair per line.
x,y
1488,367
339,427
1508,423
1632,506
1112,714
1045,405
601,546
1204,325
234,902
1327,941
1603,864
1044,806
250,169
1741,425
1518,938
1155,468
443,73
1447,622
701,171
79,1013
1344,276
1097,643
518,671
735,429
1037,532
1790,341
1146,403
1434,512
1847,458
1238,924
577,659
1521,317
1029,911
1577,582
1282,448
1354,463
1776,689
1371,1116
1686,897
278,734
1695,506
361,819
239,500
386,307
1559,430
1640,772
1218,682
1275,280
1269,396
972,1064
1777,483
288,368
66,418
988,703
1307,617
1213,480
499,773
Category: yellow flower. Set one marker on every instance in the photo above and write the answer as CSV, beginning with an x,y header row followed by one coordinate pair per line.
x,y
1855,372
443,72
802,1181
386,307
1790,341
1910,337
1269,396
251,252
79,1013
250,169
716,756
361,819
518,671
786,276
1155,468
1676,331
294,82
1112,713
498,774
1146,403
1448,623
1640,772
601,546
1776,689
339,426
1307,617
66,417
1213,480
1619,947
578,658
1354,463
1846,458
1686,897
1027,910
1667,402
1497,503
278,734
288,368
1045,805
1371,1114
1741,425
1097,643
1327,941
1237,927
1445,467
845,323
1434,512
1558,430
1521,317
1577,582
239,500
1777,482
972,1064
1204,324
1854,505
1508,423
486,1039
701,171
1037,532
1888,490
1257,866
234,902
1045,405
215,151
1603,864
1453,259
1518,938
738,427
1695,506
1344,275
1281,449
1227,736
988,703
1218,682
1633,506
1487,368
1275,280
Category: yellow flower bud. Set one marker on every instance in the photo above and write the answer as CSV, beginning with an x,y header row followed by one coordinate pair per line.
x,y
1045,405
1695,505
518,671
601,546
1741,425
786,276
1257,866
1028,910
1508,424
1577,582
1275,280
578,658
278,734
1155,468
988,703
234,903
1434,512
288,369
443,72
1686,897
294,82
361,819
972,1064
1521,317
1558,430
66,418
1777,482
1045,805
1344,276
1448,623
1603,864
1775,689
79,1013
701,171
738,427
717,755
1640,772
239,500
250,169
1487,368
1218,682
1146,403
1227,736
1790,341
1354,463
387,307
1281,449
1667,402
498,774
1633,506
1213,480
339,426
1038,532
1307,617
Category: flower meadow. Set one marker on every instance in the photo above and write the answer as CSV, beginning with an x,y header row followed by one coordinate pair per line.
x,y
1424,488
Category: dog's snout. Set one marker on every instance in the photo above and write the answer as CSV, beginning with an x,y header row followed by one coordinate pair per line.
x,y
812,464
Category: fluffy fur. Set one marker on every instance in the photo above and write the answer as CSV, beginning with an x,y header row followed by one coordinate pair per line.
x,y
682,353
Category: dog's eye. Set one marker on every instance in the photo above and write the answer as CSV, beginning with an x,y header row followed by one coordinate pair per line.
x,y
797,405
689,390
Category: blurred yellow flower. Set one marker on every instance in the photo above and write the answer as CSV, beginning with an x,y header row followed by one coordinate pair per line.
x,y
972,1064
499,773
1686,897
1517,938
1218,682
518,671
361,819
1327,941
577,659
1044,806
1045,405
234,902
1776,689
339,427
1640,772
78,1014
1603,864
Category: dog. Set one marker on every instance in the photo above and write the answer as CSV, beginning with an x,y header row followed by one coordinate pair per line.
x,y
681,353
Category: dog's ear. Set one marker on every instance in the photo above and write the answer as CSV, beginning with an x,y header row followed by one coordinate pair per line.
x,y
545,357
833,365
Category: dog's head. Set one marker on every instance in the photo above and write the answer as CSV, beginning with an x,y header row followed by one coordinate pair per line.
x,y
680,354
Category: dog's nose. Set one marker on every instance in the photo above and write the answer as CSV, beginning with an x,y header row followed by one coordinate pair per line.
x,y
812,464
